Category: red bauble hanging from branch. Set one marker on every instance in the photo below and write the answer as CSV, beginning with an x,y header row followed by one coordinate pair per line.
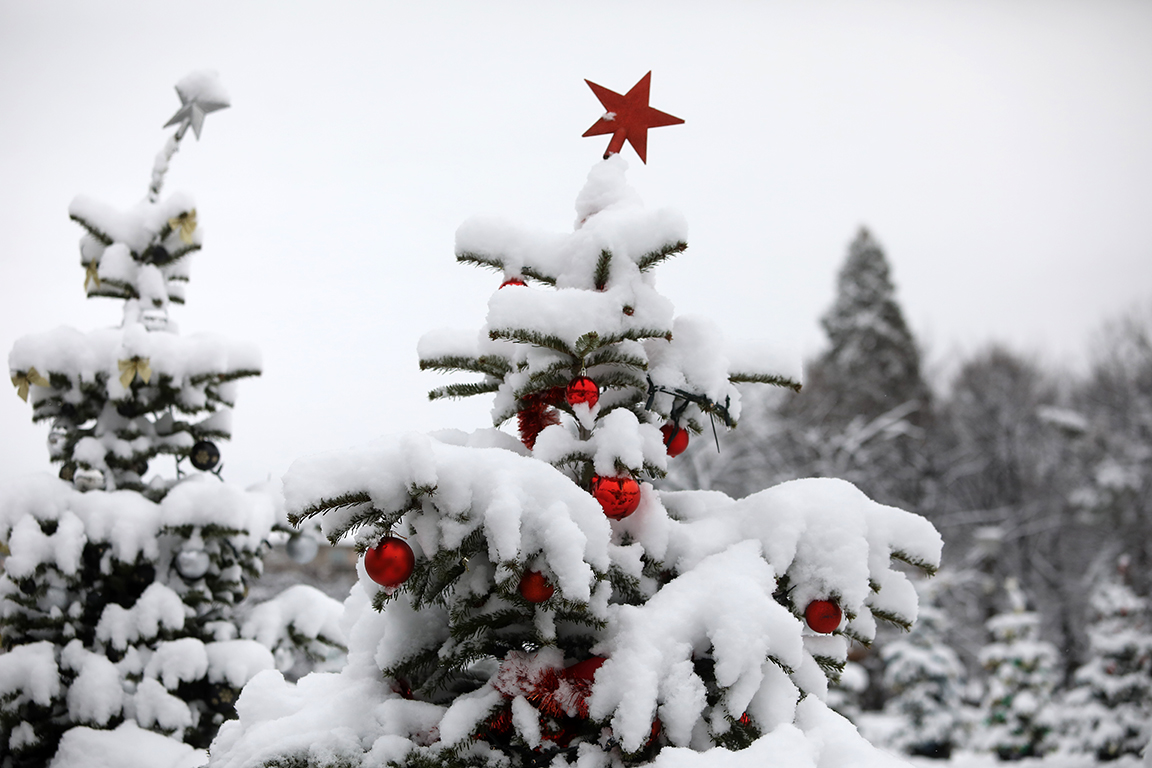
x,y
823,616
390,562
512,281
675,438
628,117
582,390
535,588
619,496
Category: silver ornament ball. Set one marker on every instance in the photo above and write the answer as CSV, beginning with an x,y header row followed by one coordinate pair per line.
x,y
88,479
192,564
302,549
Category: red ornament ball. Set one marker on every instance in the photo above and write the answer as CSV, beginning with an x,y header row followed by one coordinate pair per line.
x,y
582,390
512,281
619,496
390,562
823,616
534,587
675,439
584,670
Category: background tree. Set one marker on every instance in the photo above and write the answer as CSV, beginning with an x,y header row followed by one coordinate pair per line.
x,y
1108,711
924,678
1022,674
117,600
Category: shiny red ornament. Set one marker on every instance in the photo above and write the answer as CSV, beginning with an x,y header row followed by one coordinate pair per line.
x,y
512,281
582,390
628,117
584,670
534,587
619,496
675,439
390,562
823,616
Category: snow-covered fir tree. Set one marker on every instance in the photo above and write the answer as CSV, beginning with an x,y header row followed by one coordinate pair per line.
x,y
1108,711
870,344
1022,674
537,601
117,598
866,402
925,677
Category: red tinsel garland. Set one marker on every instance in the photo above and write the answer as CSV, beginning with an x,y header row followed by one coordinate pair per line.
x,y
554,691
536,413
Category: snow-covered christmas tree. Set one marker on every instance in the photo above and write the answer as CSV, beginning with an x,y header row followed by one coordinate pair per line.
x,y
117,599
1022,674
538,601
925,677
1108,712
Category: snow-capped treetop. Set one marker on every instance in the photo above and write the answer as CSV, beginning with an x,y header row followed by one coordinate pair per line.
x,y
203,85
590,304
872,353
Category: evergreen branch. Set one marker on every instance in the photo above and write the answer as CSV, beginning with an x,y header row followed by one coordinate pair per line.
x,y
636,334
575,458
652,470
620,380
831,667
92,229
180,253
243,373
625,587
916,562
577,613
628,405
110,290
614,356
527,271
503,416
787,669
603,265
452,391
556,374
486,364
586,344
892,618
414,668
764,378
346,500
481,260
852,635
652,258
381,520
122,289
221,377
525,336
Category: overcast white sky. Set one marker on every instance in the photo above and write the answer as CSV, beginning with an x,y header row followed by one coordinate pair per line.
x,y
1000,151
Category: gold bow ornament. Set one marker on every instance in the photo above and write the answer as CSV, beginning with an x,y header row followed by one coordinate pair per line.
x,y
23,380
91,273
133,367
186,224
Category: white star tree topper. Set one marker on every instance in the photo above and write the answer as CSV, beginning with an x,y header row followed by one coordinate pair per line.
x,y
200,93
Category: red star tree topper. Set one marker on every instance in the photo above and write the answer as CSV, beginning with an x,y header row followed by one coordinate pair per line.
x,y
629,117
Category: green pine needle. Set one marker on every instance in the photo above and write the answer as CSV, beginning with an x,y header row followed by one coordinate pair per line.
x,y
764,378
652,258
603,267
